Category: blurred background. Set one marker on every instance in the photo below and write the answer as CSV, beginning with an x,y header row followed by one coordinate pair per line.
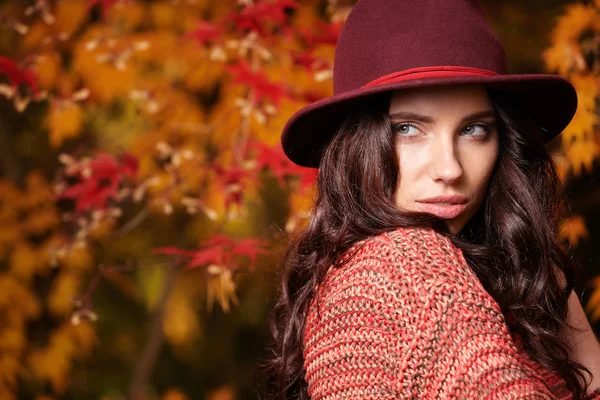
x,y
145,200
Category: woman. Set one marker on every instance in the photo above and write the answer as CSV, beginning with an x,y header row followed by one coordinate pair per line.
x,y
430,267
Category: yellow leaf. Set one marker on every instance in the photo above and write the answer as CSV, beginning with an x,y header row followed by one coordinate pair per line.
x,y
65,119
92,61
9,198
181,324
64,290
271,131
47,67
225,117
163,15
220,287
305,18
70,14
127,15
190,12
24,261
573,229
9,370
578,19
581,125
161,51
52,365
84,335
178,112
581,154
565,54
564,57
12,341
300,207
41,221
35,36
151,281
10,232
38,192
15,296
588,89
54,361
78,259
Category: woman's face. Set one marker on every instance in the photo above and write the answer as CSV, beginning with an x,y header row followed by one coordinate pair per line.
x,y
447,144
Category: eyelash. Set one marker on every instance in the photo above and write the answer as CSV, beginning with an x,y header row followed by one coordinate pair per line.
x,y
486,130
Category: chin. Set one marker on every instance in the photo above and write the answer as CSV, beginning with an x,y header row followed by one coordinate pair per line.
x,y
457,224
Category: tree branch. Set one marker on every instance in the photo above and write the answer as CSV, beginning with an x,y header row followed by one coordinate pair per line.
x,y
154,342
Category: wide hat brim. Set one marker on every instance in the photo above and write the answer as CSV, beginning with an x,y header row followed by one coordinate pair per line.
x,y
549,100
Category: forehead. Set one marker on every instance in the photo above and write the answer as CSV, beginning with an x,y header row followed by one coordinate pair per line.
x,y
463,98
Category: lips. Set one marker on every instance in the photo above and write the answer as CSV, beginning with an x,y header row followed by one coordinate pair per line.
x,y
446,206
443,211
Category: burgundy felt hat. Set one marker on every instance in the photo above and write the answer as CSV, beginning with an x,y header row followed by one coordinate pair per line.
x,y
386,45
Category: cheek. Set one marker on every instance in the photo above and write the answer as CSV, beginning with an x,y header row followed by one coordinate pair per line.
x,y
410,163
482,166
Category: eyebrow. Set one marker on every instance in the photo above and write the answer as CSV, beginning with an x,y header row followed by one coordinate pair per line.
x,y
428,119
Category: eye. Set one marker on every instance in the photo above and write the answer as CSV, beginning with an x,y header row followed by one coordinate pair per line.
x,y
472,130
404,129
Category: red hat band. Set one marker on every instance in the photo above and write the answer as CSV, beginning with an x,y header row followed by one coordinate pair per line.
x,y
429,72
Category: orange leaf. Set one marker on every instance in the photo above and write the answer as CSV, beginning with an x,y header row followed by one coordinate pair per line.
x,y
581,154
64,121
592,307
573,229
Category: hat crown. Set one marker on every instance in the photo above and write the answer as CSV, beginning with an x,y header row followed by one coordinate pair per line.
x,y
381,37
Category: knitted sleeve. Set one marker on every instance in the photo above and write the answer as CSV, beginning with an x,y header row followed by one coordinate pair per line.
x,y
407,318
358,326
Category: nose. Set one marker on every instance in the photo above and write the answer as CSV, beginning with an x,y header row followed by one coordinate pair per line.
x,y
446,165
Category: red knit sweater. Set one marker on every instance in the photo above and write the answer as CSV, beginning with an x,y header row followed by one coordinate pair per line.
x,y
408,318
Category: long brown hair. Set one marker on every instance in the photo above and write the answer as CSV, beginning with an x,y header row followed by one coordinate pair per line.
x,y
510,243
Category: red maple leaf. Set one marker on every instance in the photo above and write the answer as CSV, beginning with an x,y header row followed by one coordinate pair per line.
x,y
280,165
326,33
254,17
205,32
308,60
233,180
250,248
99,180
17,75
197,258
274,159
219,250
258,82
308,176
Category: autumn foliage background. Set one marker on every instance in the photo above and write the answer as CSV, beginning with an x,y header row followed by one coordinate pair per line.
x,y
145,200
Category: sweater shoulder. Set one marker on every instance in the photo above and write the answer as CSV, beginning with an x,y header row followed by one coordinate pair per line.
x,y
424,258
438,263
